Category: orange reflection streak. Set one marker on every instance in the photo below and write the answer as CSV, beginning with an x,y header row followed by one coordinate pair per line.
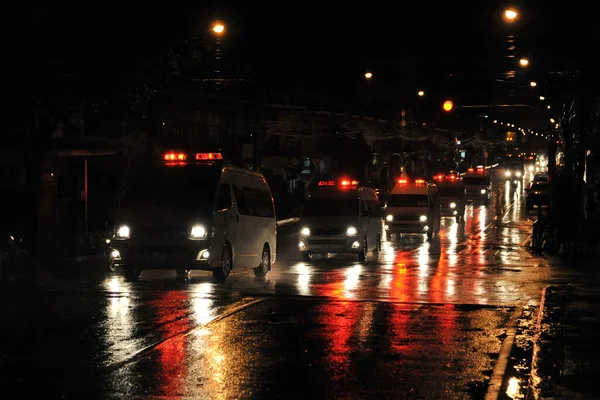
x,y
399,285
338,320
446,321
172,319
438,283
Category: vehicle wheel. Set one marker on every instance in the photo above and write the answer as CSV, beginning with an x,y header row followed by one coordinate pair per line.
x,y
183,273
110,263
221,272
307,256
362,256
377,248
132,274
429,235
265,263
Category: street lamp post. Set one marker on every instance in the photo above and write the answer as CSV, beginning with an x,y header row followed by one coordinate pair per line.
x,y
218,31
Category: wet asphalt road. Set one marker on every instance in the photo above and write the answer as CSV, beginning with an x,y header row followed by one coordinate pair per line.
x,y
423,320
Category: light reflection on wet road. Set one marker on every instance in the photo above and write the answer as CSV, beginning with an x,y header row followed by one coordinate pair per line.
x,y
423,320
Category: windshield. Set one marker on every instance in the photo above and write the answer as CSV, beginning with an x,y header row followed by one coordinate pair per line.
x,y
408,200
333,207
448,191
189,187
475,181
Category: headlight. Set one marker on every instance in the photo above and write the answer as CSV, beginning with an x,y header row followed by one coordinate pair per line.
x,y
482,191
197,232
123,232
351,231
389,218
305,232
423,218
518,174
452,205
531,167
507,174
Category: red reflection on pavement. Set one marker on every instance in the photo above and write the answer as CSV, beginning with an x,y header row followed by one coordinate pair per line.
x,y
338,320
173,320
399,337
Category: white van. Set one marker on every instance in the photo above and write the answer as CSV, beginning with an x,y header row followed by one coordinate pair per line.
x,y
193,212
341,217
478,184
414,207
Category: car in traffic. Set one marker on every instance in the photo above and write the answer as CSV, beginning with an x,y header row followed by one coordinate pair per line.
x,y
537,195
541,177
194,211
514,171
414,206
452,195
341,217
478,184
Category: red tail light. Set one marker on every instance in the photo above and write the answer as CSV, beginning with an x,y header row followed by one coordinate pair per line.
x,y
439,177
402,181
471,170
326,183
419,181
171,156
209,156
451,177
347,182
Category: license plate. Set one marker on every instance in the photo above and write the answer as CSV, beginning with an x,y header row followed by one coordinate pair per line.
x,y
157,257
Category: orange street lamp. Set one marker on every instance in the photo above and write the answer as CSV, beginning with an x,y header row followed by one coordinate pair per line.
x,y
421,93
368,75
218,28
511,14
523,62
448,105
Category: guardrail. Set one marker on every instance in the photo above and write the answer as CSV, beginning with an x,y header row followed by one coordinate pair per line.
x,y
287,221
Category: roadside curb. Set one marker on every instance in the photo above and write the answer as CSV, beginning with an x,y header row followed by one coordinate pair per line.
x,y
554,368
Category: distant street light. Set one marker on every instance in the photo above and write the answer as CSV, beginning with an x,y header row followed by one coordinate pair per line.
x,y
510,14
523,62
448,105
533,83
368,75
420,93
542,98
218,28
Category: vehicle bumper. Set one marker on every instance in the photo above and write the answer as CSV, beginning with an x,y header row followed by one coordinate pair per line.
x,y
192,256
407,227
331,244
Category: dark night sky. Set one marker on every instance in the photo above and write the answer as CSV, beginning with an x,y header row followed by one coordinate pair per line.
x,y
306,43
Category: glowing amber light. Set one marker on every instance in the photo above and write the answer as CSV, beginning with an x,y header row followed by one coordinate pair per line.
x,y
448,105
510,14
218,28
